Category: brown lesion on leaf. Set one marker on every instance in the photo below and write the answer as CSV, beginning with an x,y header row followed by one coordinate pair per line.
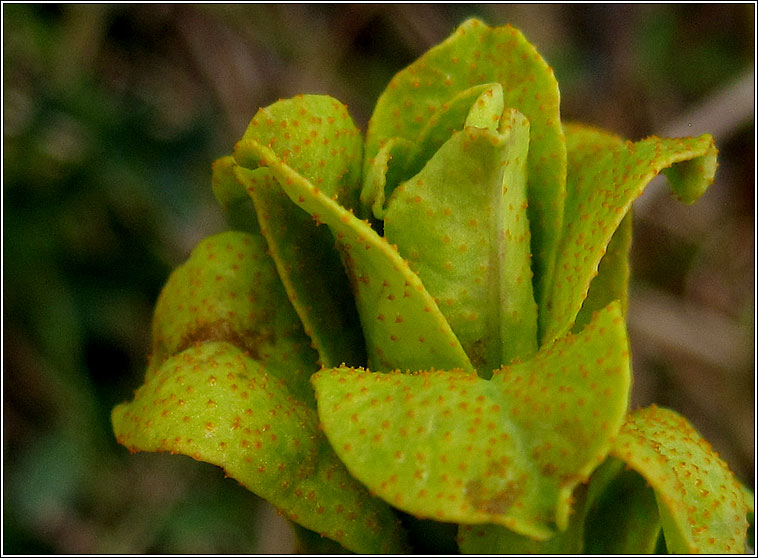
x,y
477,353
496,502
223,330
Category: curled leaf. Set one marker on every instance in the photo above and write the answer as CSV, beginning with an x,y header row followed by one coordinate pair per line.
x,y
400,158
462,227
479,55
605,175
402,324
310,270
612,279
215,404
383,173
316,136
454,447
228,290
702,506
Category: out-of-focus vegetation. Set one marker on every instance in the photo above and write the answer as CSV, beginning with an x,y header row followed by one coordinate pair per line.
x,y
112,116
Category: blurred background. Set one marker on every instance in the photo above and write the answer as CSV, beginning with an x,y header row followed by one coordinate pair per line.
x,y
112,115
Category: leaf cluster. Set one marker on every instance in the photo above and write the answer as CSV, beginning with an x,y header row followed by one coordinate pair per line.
x,y
431,320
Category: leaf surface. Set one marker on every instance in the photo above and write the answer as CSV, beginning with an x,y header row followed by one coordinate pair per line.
x,y
310,270
399,158
454,447
316,136
475,55
401,323
701,504
605,175
229,290
215,404
461,224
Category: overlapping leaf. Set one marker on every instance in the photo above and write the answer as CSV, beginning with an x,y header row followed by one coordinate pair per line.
x,y
612,279
401,323
298,249
310,270
228,384
495,539
228,290
625,518
605,175
454,447
473,55
315,135
400,158
461,225
386,170
215,404
231,195
465,163
701,504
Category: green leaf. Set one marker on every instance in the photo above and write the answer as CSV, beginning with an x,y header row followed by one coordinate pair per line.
x,y
461,225
454,447
473,55
399,159
383,173
701,504
625,519
451,117
215,404
232,197
310,270
494,539
317,137
612,280
485,113
402,325
605,175
228,290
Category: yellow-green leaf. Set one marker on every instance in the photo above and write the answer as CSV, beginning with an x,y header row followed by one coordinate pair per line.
x,y
612,279
214,403
310,271
461,224
605,175
476,55
401,323
702,506
454,447
228,290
